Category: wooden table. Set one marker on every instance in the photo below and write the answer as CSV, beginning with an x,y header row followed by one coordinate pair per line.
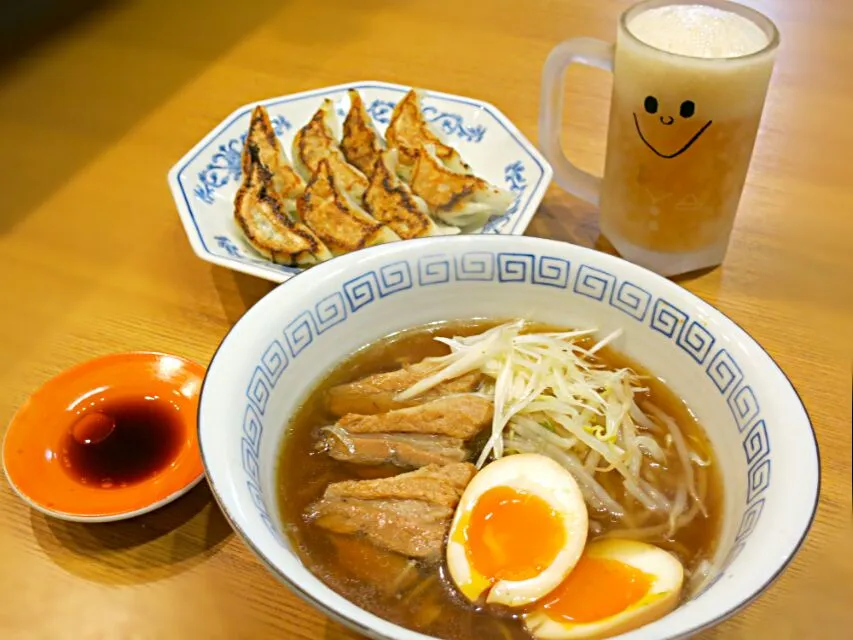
x,y
96,110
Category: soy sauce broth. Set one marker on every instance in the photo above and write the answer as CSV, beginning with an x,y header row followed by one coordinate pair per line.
x,y
361,573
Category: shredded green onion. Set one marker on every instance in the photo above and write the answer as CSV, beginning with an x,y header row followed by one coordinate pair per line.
x,y
552,395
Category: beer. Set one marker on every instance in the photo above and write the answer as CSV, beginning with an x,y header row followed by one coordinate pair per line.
x,y
689,87
687,100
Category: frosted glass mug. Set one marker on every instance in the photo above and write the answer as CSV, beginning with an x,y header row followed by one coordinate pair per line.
x,y
680,139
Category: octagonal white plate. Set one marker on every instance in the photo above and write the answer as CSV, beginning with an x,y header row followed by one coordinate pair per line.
x,y
205,180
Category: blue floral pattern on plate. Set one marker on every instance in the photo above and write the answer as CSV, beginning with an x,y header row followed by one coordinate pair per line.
x,y
451,124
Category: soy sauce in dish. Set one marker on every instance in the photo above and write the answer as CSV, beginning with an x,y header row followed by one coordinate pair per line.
x,y
147,438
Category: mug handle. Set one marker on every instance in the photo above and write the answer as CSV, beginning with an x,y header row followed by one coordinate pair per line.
x,y
588,51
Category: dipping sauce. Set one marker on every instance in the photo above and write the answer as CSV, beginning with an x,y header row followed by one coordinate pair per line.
x,y
147,438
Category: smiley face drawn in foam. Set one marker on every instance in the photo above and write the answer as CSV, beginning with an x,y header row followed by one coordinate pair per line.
x,y
686,110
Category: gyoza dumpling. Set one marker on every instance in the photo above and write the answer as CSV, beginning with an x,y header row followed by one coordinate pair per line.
x,y
316,142
408,132
261,214
263,147
361,143
390,200
336,218
456,198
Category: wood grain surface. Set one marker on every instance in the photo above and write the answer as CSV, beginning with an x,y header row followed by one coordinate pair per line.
x,y
98,103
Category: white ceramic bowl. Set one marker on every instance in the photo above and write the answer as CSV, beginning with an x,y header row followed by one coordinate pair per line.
x,y
281,348
205,180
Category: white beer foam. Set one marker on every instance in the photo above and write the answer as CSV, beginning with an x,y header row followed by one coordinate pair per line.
x,y
698,31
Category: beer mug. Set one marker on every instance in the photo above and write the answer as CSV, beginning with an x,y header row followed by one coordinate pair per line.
x,y
690,80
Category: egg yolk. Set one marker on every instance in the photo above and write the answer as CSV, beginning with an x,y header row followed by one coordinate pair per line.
x,y
513,535
597,588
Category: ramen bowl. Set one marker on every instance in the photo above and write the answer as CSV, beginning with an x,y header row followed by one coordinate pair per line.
x,y
286,343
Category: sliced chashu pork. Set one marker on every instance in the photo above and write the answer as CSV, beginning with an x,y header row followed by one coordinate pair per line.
x,y
375,393
409,514
389,572
457,416
431,433
400,449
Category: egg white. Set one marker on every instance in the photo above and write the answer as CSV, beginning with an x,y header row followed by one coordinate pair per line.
x,y
661,598
528,473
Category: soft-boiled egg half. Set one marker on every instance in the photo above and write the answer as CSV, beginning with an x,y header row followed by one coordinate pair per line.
x,y
616,586
520,528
